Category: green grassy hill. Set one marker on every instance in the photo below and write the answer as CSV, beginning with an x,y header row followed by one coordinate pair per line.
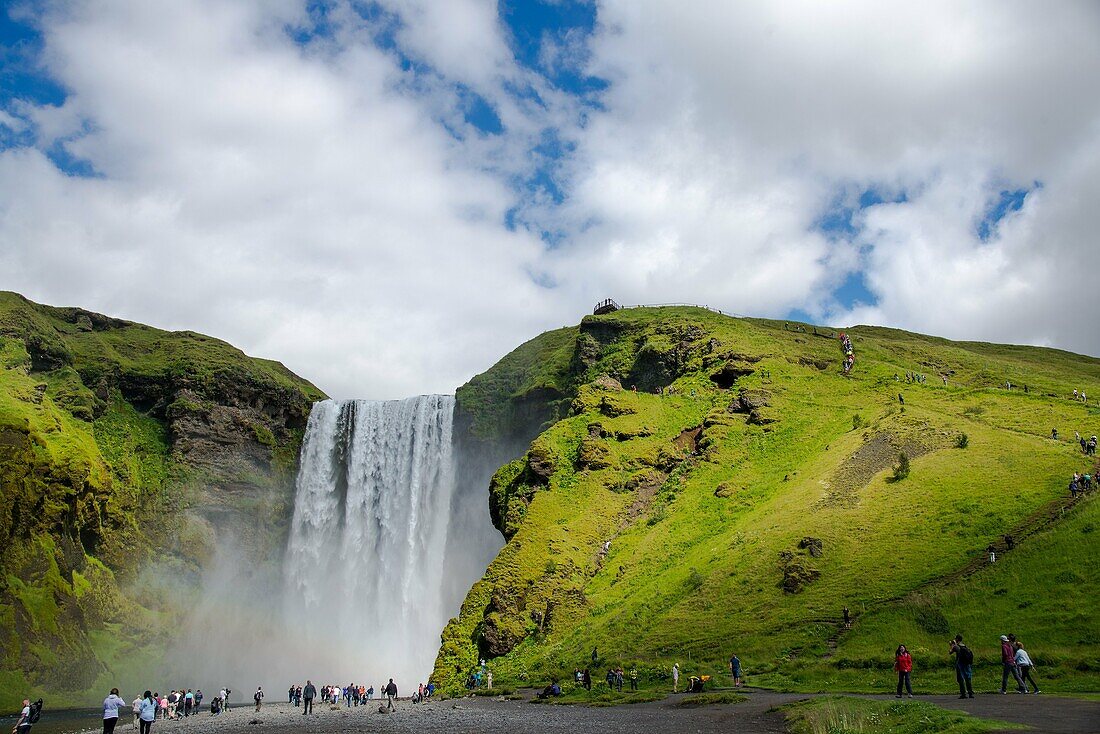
x,y
743,511
124,450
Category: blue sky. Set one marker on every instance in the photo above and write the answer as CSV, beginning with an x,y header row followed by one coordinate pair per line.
x,y
291,175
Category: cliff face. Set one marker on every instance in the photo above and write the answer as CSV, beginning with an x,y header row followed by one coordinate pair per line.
x,y
702,485
124,452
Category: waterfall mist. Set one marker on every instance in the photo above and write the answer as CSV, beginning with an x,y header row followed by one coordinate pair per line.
x,y
384,542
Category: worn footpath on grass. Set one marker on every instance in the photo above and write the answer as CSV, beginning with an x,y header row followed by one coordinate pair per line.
x,y
486,715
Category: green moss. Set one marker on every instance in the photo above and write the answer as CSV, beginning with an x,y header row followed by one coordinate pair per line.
x,y
263,434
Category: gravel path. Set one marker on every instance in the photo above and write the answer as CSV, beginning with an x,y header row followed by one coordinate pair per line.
x,y
496,716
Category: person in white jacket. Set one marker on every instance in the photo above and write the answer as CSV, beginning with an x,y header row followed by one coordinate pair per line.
x,y
1023,662
111,705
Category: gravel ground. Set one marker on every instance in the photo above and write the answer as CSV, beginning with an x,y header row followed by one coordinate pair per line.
x,y
496,716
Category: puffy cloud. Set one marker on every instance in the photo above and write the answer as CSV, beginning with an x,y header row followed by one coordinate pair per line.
x,y
289,201
303,193
729,131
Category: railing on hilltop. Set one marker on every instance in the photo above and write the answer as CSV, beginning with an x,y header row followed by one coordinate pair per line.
x,y
608,305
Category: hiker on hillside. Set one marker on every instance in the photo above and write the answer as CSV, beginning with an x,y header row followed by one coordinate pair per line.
x,y
610,678
847,619
964,667
1024,664
1009,667
903,664
992,551
1054,433
633,677
111,705
586,680
675,677
735,670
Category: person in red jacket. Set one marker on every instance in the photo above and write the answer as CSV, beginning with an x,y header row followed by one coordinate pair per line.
x,y
903,664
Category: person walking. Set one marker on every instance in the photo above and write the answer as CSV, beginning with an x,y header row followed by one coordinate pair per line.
x,y
964,667
586,680
258,697
148,712
136,708
675,677
308,694
111,705
1008,667
903,664
23,725
391,693
735,670
633,678
1024,664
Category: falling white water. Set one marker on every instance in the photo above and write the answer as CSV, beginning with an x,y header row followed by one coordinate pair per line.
x,y
365,560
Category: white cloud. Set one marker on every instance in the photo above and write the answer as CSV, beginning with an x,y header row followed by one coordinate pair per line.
x,y
309,204
293,204
729,128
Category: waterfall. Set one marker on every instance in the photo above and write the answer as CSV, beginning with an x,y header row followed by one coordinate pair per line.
x,y
365,562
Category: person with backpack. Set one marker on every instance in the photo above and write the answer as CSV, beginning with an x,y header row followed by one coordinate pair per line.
x,y
903,664
258,697
111,705
28,716
964,667
135,707
148,712
735,670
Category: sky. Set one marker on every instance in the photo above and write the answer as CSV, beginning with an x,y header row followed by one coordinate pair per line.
x,y
388,196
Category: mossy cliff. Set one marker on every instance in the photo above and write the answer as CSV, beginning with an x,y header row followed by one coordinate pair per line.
x,y
124,452
701,485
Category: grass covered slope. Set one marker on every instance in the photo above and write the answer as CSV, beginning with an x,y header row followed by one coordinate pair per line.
x,y
744,510
123,449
